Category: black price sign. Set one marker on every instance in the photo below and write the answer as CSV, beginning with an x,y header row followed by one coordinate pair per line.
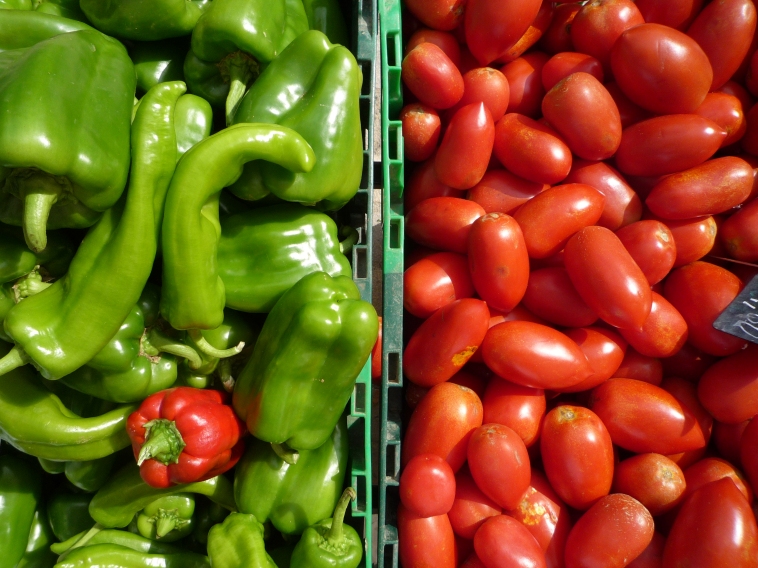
x,y
741,316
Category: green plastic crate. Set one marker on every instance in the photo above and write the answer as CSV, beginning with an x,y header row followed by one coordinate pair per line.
x,y
392,338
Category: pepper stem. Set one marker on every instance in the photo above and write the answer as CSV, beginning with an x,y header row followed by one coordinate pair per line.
x,y
163,442
160,343
29,285
335,532
225,374
350,236
164,525
203,345
239,69
14,359
40,192
286,453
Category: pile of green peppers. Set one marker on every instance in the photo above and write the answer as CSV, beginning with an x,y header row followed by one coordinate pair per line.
x,y
173,175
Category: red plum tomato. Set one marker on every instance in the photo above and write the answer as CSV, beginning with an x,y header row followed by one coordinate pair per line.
x,y
518,407
423,184
503,542
493,26
598,25
712,469
485,85
739,233
561,65
557,38
425,541
466,147
434,282
674,13
432,77
664,332
438,14
427,486
652,479
444,40
500,191
640,368
443,223
726,111
604,350
551,296
471,506
651,244
525,82
729,388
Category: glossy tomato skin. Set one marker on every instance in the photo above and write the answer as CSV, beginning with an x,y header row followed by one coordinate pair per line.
x,y
715,527
442,424
532,35
710,188
503,542
445,342
749,453
739,233
525,81
493,26
693,238
577,454
621,297
421,131
425,541
585,115
466,147
664,332
686,393
622,204
442,223
563,64
427,486
531,150
724,30
423,184
611,534
598,25
701,291
434,282
644,418
471,506
442,15
661,69
500,191
668,144
487,85
604,350
550,219
432,77
727,111
444,40
654,480
640,368
652,556
534,355
557,37
498,260
551,296
712,469
729,388
518,407
675,13
651,244
495,453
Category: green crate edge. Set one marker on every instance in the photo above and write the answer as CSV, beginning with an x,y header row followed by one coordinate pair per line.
x,y
363,26
390,29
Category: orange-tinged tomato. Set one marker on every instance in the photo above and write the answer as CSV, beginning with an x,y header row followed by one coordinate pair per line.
x,y
654,480
651,244
664,332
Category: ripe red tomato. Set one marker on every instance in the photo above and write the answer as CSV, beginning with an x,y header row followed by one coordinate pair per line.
x,y
615,531
749,453
739,233
442,223
651,244
551,296
442,424
434,282
693,238
689,363
715,527
674,13
498,260
728,438
577,454
652,556
621,296
549,219
598,25
563,64
438,14
466,147
729,388
661,69
640,368
686,393
664,332
445,342
654,480
585,115
427,486
432,77
500,191
423,184
493,26
525,81
701,291
421,131
604,350
534,355
725,110
557,38
712,469
487,85
630,113
471,507
532,35
531,150
643,418
472,562
425,541
503,542
520,408
444,40
495,452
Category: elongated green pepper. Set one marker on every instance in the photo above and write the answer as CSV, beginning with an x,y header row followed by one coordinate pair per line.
x,y
158,61
314,88
66,325
144,20
20,494
238,541
303,369
115,555
38,553
193,293
98,535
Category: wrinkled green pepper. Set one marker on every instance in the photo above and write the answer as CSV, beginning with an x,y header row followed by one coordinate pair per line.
x,y
66,325
144,20
192,292
158,61
67,160
326,17
233,41
313,87
114,555
20,494
292,496
38,553
237,542
16,260
264,252
168,518
312,347
68,512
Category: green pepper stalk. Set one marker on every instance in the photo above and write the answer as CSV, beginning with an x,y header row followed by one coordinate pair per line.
x,y
167,519
330,543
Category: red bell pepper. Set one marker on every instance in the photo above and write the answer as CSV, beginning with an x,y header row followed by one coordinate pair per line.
x,y
183,435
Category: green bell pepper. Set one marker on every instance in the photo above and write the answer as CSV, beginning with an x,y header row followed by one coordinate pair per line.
x,y
66,325
207,514
144,20
193,293
158,61
125,494
233,40
292,496
264,252
313,87
114,555
16,260
68,512
20,494
66,160
64,8
313,345
193,119
20,28
168,518
326,17
237,542
38,553
330,543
